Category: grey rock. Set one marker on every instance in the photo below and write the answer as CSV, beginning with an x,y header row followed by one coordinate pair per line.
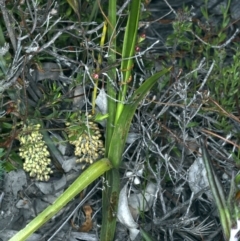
x,y
7,234
14,181
216,6
235,9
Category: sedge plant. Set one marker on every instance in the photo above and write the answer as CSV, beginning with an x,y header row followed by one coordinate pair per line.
x,y
120,114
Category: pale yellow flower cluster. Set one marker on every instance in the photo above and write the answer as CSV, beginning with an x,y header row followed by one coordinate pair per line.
x,y
88,146
34,150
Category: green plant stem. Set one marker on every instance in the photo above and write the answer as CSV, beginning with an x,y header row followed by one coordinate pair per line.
x,y
87,177
110,205
112,177
112,12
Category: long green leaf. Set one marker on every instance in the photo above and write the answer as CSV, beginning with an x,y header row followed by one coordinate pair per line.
x,y
128,51
122,126
218,193
86,178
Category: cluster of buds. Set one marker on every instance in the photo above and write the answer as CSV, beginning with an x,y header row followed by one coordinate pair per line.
x,y
34,150
88,145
